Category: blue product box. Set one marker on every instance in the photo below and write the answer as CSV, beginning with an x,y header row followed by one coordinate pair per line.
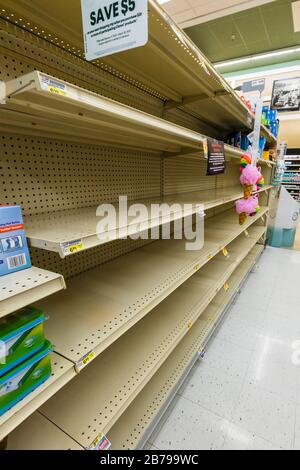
x,y
14,253
273,115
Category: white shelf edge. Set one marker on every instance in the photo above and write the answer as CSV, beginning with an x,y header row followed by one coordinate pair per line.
x,y
26,287
91,240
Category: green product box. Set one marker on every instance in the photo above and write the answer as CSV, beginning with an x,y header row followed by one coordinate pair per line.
x,y
19,382
21,336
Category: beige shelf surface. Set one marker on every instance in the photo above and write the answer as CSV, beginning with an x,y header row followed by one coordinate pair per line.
x,y
62,371
126,370
69,231
102,304
25,287
170,66
72,110
37,433
129,430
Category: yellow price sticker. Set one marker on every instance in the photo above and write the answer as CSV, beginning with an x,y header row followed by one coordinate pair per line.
x,y
190,325
210,256
197,267
75,248
226,286
246,233
225,252
57,91
87,359
263,219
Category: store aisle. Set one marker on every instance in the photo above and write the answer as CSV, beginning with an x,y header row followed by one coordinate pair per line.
x,y
245,394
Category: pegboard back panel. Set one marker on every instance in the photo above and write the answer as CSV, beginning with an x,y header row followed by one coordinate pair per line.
x,y
86,260
43,175
182,174
24,53
231,176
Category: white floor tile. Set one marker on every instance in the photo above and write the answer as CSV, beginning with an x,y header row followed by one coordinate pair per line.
x,y
280,328
214,390
237,438
266,415
240,333
249,314
245,395
191,427
273,375
228,357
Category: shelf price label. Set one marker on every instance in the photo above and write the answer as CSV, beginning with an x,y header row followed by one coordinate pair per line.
x,y
225,252
54,86
226,286
75,246
246,233
111,26
100,443
85,360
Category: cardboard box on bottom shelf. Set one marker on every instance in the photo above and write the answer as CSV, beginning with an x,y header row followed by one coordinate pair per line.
x,y
21,336
23,379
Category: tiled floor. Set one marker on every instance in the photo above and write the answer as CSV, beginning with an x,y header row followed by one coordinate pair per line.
x,y
245,394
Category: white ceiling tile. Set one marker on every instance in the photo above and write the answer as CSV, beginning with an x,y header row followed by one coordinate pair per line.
x,y
176,6
184,16
204,10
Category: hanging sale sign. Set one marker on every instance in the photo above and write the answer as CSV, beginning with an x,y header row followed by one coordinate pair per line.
x,y
215,158
113,26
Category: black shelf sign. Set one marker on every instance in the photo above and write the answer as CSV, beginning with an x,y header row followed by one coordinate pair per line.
x,y
216,164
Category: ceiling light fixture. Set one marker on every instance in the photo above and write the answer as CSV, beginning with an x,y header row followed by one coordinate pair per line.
x,y
253,58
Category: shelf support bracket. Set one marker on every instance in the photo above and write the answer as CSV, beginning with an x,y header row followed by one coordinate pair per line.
x,y
194,99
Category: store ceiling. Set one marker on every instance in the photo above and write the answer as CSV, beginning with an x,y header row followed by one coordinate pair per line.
x,y
264,28
191,12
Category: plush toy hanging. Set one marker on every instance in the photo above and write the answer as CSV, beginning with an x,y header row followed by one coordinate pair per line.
x,y
251,176
245,207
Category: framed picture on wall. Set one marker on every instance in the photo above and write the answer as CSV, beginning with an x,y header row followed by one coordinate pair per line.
x,y
286,94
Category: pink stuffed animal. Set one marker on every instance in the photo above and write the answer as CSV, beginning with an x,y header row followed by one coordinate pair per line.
x,y
245,207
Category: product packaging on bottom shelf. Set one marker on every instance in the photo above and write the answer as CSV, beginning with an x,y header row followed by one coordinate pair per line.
x,y
21,336
23,379
14,253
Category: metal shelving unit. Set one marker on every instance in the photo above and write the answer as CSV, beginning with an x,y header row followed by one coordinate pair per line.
x,y
26,287
126,371
78,134
170,66
70,231
103,303
139,421
290,182
62,372
135,424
